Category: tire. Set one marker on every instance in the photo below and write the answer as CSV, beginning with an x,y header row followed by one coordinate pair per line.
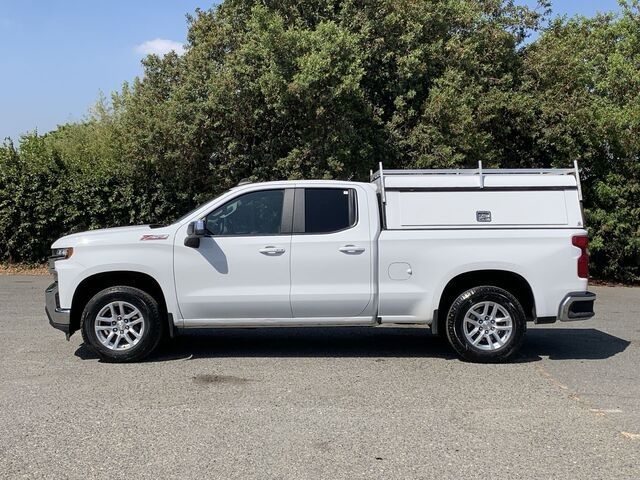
x,y
496,317
126,315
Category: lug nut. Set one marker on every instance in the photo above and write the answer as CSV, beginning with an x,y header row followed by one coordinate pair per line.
x,y
126,320
121,331
115,329
127,327
113,323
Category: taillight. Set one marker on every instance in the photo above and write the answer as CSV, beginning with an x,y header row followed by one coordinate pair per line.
x,y
582,242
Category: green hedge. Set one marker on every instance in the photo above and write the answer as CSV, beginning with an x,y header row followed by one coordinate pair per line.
x,y
327,89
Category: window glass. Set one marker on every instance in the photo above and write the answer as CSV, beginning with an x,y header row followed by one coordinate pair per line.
x,y
255,213
328,209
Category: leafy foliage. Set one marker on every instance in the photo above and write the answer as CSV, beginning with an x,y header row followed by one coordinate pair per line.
x,y
329,88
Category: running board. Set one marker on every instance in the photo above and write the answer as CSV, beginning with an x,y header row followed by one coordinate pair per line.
x,y
278,322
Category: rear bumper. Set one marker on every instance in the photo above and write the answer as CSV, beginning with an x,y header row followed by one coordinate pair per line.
x,y
576,306
59,318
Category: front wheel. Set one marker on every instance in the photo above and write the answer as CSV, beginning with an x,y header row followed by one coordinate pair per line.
x,y
122,324
486,324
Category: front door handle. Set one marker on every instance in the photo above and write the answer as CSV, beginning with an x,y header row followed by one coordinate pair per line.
x,y
351,249
271,250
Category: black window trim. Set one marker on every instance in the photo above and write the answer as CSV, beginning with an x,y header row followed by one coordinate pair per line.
x,y
286,225
298,227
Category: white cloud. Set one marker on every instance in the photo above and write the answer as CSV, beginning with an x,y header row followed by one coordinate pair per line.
x,y
159,46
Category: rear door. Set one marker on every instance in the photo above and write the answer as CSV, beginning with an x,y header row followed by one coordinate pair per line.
x,y
331,254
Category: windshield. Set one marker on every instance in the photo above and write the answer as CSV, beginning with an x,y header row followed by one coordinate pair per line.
x,y
183,217
189,213
178,220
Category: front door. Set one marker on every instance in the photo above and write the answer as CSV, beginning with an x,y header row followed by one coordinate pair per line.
x,y
241,270
331,255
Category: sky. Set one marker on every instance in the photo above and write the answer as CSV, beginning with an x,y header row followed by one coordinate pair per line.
x,y
57,56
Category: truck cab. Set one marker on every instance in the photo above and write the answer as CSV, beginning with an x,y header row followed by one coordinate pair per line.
x,y
475,254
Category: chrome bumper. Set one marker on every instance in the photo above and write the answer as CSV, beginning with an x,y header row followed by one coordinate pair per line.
x,y
576,306
59,318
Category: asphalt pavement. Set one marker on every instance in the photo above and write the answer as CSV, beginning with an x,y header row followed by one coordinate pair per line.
x,y
335,403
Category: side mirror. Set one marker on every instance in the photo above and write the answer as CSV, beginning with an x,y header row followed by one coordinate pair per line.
x,y
195,230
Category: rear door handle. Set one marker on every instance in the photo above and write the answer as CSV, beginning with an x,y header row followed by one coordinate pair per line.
x,y
351,249
271,250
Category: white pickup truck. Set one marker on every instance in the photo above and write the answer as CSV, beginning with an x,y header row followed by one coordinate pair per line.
x,y
475,254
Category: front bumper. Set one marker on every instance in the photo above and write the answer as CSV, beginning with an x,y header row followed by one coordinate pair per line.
x,y
576,306
59,318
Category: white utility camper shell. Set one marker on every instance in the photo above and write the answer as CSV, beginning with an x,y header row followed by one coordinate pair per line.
x,y
479,199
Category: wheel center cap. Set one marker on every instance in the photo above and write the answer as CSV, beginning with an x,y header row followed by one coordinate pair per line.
x,y
120,324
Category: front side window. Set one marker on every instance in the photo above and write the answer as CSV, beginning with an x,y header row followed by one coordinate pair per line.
x,y
329,210
255,213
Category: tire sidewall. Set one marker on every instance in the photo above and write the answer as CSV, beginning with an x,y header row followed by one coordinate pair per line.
x,y
458,311
143,302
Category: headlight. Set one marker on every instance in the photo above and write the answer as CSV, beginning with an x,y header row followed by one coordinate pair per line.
x,y
61,253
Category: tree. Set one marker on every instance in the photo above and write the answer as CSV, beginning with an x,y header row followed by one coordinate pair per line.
x,y
329,88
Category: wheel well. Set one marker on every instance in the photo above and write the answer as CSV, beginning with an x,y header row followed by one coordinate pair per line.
x,y
510,281
95,283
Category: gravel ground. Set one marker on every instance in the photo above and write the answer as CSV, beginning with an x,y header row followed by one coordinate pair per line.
x,y
334,403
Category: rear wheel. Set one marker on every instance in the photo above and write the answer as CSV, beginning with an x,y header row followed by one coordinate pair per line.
x,y
122,324
486,324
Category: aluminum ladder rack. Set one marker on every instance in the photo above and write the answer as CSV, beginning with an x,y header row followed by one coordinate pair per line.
x,y
379,176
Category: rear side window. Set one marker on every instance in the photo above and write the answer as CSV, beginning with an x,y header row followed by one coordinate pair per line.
x,y
329,210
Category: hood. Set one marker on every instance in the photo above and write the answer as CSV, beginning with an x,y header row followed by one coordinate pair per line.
x,y
104,236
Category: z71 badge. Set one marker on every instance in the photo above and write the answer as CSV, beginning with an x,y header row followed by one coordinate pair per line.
x,y
154,237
